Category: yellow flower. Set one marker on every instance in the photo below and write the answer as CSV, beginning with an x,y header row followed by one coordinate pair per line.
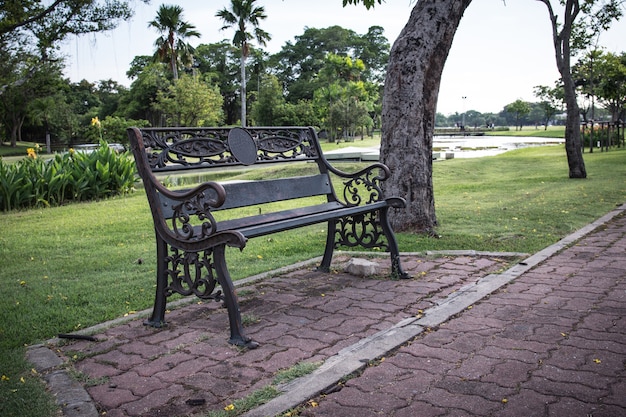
x,y
229,407
31,153
95,122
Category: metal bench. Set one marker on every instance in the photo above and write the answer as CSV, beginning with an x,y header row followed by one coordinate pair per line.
x,y
190,239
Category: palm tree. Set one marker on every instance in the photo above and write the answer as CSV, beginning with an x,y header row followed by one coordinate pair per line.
x,y
171,45
243,13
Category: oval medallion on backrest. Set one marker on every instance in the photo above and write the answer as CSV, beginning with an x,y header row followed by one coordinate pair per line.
x,y
242,146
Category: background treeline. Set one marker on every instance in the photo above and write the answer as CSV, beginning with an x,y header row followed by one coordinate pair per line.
x,y
330,78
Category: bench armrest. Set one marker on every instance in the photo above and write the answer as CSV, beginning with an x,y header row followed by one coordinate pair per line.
x,y
191,223
363,186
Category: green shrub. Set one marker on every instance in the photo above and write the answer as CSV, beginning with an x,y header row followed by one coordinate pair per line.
x,y
73,176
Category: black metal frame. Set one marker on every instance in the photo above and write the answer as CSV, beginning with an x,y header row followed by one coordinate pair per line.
x,y
191,242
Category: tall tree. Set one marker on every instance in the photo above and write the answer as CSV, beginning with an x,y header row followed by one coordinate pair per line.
x,y
143,91
220,63
172,45
298,64
519,109
190,102
269,100
602,76
581,22
373,50
611,88
242,14
33,28
551,101
16,101
412,85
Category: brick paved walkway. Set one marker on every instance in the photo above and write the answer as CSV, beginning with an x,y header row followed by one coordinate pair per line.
x,y
304,315
550,343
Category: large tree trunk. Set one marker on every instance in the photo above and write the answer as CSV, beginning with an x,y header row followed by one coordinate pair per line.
x,y
412,84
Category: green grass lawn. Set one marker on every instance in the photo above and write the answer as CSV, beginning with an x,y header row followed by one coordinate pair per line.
x,y
20,150
67,268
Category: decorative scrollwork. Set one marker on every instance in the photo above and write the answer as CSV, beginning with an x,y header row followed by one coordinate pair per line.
x,y
277,144
191,273
189,147
199,206
363,189
360,230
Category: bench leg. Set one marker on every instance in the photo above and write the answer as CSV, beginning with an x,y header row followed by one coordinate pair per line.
x,y
160,298
396,266
237,333
330,246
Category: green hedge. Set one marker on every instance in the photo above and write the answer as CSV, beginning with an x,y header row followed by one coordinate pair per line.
x,y
73,176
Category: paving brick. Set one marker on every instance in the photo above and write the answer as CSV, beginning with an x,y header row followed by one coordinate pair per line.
x,y
475,367
139,386
565,388
180,371
578,377
157,400
509,373
280,360
454,400
496,351
139,347
567,406
108,397
617,390
162,363
422,409
120,360
375,401
526,403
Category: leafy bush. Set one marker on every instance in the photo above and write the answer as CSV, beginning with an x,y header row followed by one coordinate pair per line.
x,y
73,176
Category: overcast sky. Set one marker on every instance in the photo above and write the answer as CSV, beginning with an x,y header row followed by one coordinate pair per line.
x,y
500,52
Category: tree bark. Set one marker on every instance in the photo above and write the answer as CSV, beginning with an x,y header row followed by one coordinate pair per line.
x,y
561,35
412,83
243,90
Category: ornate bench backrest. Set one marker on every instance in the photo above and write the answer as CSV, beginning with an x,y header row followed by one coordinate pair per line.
x,y
183,148
169,150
